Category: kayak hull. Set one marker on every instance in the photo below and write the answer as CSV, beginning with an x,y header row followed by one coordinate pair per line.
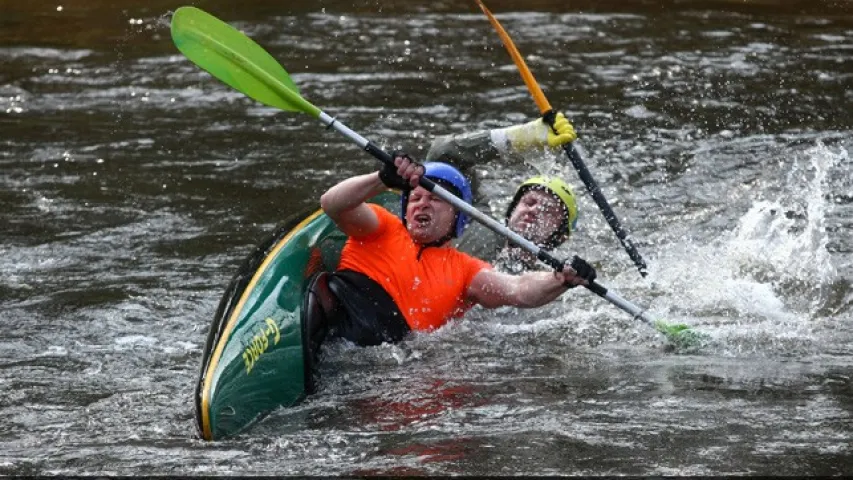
x,y
254,359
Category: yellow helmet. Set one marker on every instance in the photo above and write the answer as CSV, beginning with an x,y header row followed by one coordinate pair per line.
x,y
557,187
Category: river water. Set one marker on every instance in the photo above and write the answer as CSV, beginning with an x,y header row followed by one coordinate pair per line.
x,y
133,184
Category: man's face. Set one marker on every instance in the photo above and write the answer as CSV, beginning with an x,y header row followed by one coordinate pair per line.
x,y
428,217
537,215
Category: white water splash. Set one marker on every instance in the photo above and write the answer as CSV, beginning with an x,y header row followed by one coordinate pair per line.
x,y
771,273
784,241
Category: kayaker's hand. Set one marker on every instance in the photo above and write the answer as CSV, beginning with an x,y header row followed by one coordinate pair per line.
x,y
405,174
536,134
579,273
565,132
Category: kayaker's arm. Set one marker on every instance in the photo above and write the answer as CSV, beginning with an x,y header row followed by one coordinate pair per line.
x,y
493,289
467,150
345,204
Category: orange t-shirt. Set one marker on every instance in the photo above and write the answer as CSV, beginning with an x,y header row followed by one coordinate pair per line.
x,y
429,290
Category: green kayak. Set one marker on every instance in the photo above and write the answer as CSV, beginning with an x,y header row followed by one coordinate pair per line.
x,y
255,359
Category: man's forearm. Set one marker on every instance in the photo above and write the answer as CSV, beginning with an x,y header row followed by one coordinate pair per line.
x,y
538,288
350,193
493,289
465,151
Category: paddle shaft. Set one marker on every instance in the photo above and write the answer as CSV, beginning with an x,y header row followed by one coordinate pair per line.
x,y
549,116
598,197
489,222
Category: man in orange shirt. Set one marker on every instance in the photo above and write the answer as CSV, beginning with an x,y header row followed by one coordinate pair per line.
x,y
396,276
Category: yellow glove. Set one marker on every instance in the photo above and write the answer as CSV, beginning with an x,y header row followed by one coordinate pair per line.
x,y
535,134
565,132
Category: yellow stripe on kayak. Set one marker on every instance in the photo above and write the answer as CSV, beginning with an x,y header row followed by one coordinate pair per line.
x,y
232,320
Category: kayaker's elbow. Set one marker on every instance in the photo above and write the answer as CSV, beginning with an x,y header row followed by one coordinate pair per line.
x,y
327,203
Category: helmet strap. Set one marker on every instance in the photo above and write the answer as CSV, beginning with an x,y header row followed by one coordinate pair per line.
x,y
558,236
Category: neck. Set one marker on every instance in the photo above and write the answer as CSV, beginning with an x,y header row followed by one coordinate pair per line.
x,y
440,242
436,243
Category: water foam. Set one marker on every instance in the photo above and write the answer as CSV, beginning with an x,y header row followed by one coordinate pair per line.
x,y
766,280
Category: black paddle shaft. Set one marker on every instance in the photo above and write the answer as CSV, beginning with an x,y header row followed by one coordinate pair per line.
x,y
598,197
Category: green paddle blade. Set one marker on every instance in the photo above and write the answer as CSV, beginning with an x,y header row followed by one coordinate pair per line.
x,y
680,335
232,57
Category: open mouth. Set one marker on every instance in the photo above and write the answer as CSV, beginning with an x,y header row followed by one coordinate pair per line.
x,y
422,219
525,224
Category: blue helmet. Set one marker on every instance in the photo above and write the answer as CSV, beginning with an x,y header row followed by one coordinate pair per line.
x,y
451,179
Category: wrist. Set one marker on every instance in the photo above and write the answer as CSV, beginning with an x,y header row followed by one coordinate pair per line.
x,y
377,185
372,188
564,284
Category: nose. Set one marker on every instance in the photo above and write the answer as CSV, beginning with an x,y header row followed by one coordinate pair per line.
x,y
527,208
420,202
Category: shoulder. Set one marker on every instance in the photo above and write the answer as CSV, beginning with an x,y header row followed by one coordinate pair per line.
x,y
387,219
468,264
387,223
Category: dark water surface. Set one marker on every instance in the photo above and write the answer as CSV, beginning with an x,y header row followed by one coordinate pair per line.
x,y
132,185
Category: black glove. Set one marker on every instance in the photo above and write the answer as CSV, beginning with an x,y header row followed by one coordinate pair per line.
x,y
389,175
582,269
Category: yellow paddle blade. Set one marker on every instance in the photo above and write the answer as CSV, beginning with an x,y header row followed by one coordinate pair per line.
x,y
532,85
